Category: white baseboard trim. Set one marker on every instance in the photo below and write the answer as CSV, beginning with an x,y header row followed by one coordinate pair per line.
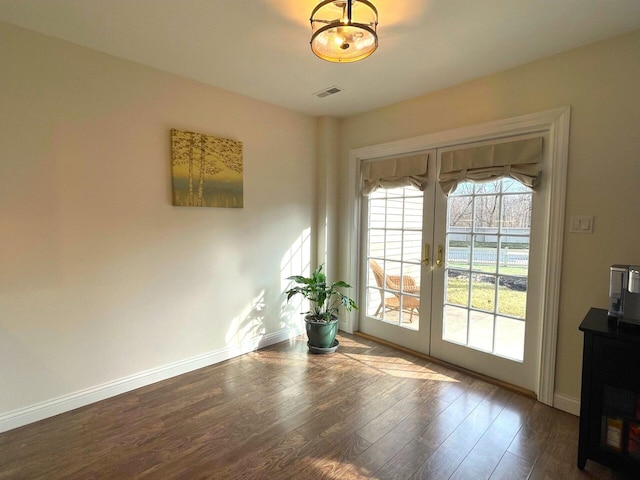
x,y
65,403
567,404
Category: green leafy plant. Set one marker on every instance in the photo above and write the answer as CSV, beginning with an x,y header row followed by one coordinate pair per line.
x,y
324,299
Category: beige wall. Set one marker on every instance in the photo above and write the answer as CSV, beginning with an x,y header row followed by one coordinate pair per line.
x,y
601,83
100,277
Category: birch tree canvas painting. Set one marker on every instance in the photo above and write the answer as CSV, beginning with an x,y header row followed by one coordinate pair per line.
x,y
206,171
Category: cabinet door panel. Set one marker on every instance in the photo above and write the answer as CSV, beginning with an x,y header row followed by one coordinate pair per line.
x,y
616,358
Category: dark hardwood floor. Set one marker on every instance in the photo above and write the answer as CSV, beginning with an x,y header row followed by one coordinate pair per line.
x,y
366,411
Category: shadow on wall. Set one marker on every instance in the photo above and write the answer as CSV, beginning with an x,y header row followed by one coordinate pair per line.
x,y
269,313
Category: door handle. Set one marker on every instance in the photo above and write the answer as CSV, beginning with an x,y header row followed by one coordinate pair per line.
x,y
425,254
439,260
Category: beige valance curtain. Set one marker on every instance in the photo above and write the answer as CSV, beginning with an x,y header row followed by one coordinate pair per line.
x,y
395,172
519,160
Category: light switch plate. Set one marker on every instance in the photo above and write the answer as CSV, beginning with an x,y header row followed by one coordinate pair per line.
x,y
581,224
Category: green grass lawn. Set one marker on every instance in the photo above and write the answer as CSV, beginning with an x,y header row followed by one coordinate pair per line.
x,y
510,302
505,270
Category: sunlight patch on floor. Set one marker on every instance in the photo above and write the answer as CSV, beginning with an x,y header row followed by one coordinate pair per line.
x,y
399,367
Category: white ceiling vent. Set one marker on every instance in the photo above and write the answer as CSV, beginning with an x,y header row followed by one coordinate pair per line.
x,y
328,91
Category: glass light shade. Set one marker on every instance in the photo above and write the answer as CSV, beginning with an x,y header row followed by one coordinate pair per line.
x,y
340,37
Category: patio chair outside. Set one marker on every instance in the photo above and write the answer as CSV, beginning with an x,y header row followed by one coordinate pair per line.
x,y
393,285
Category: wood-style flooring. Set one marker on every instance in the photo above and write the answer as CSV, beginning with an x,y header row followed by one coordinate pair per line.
x,y
366,411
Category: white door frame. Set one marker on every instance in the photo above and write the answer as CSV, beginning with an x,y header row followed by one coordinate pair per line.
x,y
554,122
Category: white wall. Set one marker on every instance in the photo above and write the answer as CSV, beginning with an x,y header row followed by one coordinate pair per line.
x,y
601,84
101,278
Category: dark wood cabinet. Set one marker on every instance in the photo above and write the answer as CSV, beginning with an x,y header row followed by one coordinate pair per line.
x,y
610,398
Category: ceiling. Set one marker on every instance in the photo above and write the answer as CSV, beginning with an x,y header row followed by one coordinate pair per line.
x,y
260,48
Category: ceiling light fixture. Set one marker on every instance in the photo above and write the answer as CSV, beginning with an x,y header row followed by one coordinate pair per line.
x,y
344,30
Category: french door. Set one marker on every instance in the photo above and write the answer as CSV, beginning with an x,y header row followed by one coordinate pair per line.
x,y
398,288
457,277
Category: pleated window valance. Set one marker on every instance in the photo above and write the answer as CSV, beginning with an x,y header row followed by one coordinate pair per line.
x,y
518,160
395,172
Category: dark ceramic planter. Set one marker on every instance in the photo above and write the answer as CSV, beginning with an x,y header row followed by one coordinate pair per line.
x,y
322,335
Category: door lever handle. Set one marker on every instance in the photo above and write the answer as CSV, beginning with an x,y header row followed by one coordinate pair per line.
x,y
439,260
425,254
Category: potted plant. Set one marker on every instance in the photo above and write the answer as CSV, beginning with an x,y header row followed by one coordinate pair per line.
x,y
324,300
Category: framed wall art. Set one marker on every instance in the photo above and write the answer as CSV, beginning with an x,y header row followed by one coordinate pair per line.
x,y
206,171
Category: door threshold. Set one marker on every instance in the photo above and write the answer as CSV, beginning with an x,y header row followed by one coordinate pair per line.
x,y
480,376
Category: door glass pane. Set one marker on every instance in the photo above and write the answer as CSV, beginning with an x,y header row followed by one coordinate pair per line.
x,y
485,248
460,213
410,282
412,249
481,330
488,236
486,214
512,296
455,324
393,217
393,245
413,213
459,250
488,187
376,245
394,237
374,299
463,189
516,212
510,185
377,213
457,289
483,292
510,338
